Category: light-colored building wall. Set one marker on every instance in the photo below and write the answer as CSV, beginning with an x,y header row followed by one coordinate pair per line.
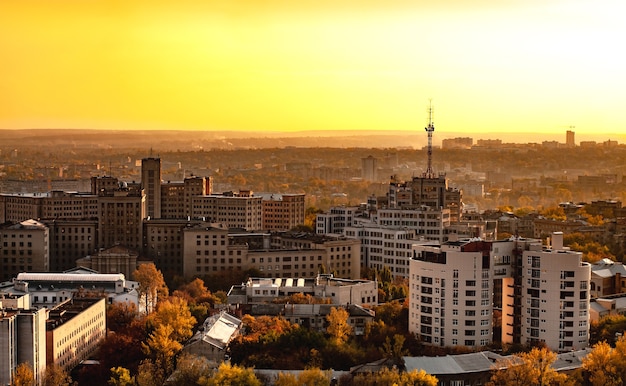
x,y
282,212
74,331
242,211
561,322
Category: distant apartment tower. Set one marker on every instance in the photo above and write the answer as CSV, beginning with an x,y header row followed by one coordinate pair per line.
x,y
569,139
369,166
335,220
432,192
24,247
151,184
177,197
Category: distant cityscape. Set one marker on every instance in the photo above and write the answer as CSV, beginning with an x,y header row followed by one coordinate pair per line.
x,y
491,242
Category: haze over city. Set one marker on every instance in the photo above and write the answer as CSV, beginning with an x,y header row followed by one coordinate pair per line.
x,y
529,67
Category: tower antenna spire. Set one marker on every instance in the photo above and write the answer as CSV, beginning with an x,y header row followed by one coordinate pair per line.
x,y
429,129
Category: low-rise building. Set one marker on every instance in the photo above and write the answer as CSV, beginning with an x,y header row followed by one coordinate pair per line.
x,y
212,339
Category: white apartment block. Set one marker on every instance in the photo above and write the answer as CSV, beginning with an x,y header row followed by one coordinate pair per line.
x,y
429,223
561,322
456,286
336,220
385,247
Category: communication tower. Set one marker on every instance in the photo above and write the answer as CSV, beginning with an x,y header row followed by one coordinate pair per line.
x,y
429,129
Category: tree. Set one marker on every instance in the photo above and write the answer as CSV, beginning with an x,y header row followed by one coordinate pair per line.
x,y
228,375
120,315
531,368
189,370
151,285
120,376
56,376
599,366
338,327
23,375
163,347
175,313
389,377
150,374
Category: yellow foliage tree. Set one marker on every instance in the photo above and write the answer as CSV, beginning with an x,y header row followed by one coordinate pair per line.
x,y
606,366
163,347
175,313
151,285
338,327
531,368
228,375
23,375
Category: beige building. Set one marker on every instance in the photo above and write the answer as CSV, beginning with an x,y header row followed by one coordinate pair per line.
x,y
235,210
74,330
212,339
282,212
117,259
177,197
24,247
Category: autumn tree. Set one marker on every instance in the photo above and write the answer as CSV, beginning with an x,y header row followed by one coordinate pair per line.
x,y
338,328
150,374
189,370
229,375
308,377
174,313
600,368
120,315
120,376
151,285
530,368
56,376
162,347
23,375
607,328
390,377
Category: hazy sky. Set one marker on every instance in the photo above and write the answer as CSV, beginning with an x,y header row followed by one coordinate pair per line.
x,y
269,65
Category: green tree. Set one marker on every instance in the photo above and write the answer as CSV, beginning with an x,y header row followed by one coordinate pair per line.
x,y
338,328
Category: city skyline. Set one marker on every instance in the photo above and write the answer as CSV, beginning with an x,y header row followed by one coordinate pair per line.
x,y
488,66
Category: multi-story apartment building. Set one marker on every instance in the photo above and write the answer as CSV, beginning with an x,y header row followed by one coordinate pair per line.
x,y
71,240
120,218
455,287
427,191
209,249
74,330
151,184
24,247
429,223
69,205
282,212
177,197
385,247
22,340
234,210
336,220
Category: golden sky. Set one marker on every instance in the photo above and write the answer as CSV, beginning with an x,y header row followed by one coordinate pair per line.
x,y
274,65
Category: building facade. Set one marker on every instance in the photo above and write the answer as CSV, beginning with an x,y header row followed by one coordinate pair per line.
x,y
24,247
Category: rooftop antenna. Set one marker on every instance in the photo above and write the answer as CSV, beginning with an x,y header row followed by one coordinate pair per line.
x,y
429,129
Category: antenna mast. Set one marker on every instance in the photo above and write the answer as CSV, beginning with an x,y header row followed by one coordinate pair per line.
x,y
429,129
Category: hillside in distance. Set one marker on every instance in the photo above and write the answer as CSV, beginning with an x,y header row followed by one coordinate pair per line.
x,y
205,140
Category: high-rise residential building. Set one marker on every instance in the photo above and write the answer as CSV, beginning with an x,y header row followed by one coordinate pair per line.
x,y
151,184
369,168
120,218
432,192
235,210
455,288
24,247
569,139
22,340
